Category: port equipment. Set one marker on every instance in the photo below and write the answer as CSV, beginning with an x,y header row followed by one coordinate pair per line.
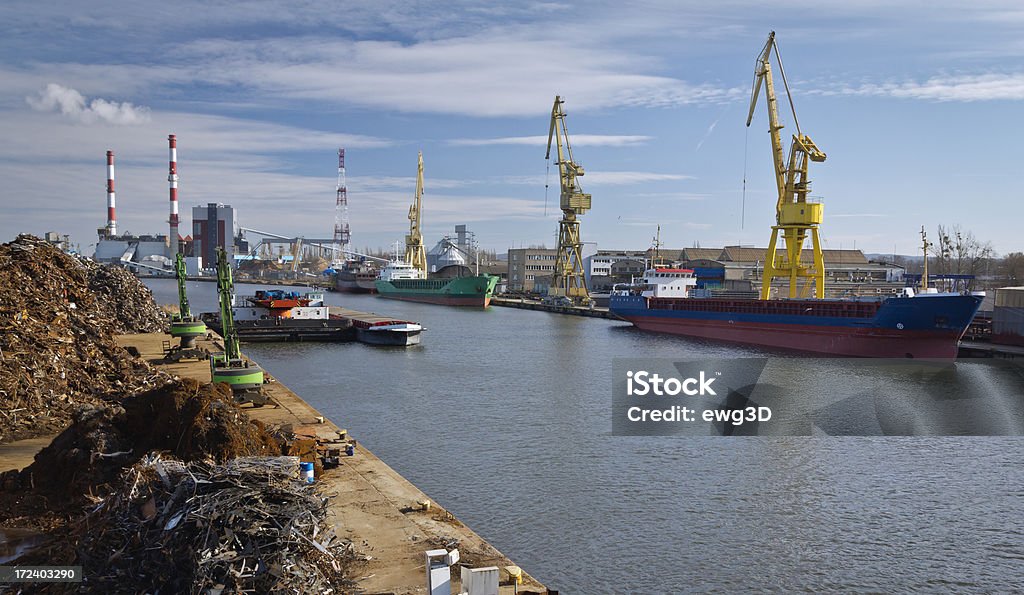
x,y
342,236
925,245
795,217
296,254
244,377
568,279
186,327
415,254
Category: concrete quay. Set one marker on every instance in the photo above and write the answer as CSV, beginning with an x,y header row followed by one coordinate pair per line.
x,y
369,502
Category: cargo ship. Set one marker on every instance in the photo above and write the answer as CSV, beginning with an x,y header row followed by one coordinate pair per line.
x,y
401,281
277,315
924,325
355,277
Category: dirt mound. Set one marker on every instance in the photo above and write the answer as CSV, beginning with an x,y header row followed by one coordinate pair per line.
x,y
57,323
193,422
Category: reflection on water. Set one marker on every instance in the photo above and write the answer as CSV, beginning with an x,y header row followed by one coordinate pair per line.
x,y
503,416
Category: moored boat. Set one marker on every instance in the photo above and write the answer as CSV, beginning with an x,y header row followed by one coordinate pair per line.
x,y
399,280
927,325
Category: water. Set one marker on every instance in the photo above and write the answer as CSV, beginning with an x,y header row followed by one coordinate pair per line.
x,y
502,416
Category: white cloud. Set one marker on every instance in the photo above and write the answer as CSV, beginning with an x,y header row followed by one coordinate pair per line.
x,y
966,88
73,104
599,178
610,178
577,140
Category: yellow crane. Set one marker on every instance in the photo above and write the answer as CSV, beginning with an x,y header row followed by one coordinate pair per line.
x,y
414,251
568,279
296,254
794,216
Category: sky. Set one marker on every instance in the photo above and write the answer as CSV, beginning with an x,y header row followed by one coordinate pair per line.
x,y
917,105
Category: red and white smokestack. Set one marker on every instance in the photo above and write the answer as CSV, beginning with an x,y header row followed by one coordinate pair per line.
x,y
172,178
111,214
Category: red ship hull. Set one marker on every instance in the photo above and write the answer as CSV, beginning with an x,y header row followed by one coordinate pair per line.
x,y
865,342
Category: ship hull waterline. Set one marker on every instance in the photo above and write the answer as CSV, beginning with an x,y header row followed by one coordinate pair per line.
x,y
473,292
840,342
921,328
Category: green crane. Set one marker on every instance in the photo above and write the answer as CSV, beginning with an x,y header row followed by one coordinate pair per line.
x,y
244,377
184,326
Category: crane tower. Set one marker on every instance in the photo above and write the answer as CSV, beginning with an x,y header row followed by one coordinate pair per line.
x,y
415,254
341,232
795,217
568,279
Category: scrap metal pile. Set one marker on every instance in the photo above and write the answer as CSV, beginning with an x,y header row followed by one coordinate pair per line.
x,y
57,322
192,421
248,525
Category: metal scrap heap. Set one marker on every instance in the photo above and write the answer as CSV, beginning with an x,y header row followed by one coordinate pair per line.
x,y
249,525
58,319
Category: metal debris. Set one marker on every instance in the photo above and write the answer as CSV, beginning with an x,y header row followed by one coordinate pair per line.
x,y
57,325
246,526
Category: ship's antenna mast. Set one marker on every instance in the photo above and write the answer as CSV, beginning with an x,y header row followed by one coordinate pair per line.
x,y
925,244
341,232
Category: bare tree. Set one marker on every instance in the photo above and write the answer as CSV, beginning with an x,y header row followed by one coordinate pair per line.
x,y
1011,268
958,252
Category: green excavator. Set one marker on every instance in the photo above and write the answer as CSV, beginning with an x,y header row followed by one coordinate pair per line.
x,y
184,326
244,377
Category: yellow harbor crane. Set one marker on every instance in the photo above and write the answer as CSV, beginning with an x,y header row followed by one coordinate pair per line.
x,y
414,251
568,279
794,216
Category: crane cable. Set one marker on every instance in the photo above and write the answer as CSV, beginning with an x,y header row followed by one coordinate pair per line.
x,y
743,203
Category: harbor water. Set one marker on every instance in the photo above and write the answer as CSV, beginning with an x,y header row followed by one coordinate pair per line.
x,y
503,416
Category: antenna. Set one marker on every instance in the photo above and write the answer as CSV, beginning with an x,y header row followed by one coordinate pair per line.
x,y
341,231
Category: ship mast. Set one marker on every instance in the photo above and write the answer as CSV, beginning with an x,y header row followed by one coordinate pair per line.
x,y
925,244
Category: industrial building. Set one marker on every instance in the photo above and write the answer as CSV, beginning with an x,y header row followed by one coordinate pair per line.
x,y
525,265
213,226
739,269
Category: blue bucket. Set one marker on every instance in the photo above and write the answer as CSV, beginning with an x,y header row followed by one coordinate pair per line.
x,y
306,472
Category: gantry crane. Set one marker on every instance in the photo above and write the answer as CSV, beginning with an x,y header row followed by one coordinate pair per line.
x,y
415,254
568,279
794,216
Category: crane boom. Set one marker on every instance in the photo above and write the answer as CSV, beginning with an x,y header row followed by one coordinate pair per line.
x,y
794,216
415,254
568,279
572,199
225,290
184,312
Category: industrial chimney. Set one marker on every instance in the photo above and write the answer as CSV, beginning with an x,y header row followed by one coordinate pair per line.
x,y
111,215
172,179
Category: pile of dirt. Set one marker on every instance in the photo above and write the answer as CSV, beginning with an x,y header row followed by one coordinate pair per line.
x,y
58,319
248,526
191,421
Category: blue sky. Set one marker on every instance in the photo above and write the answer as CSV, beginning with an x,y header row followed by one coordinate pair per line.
x,y
917,104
